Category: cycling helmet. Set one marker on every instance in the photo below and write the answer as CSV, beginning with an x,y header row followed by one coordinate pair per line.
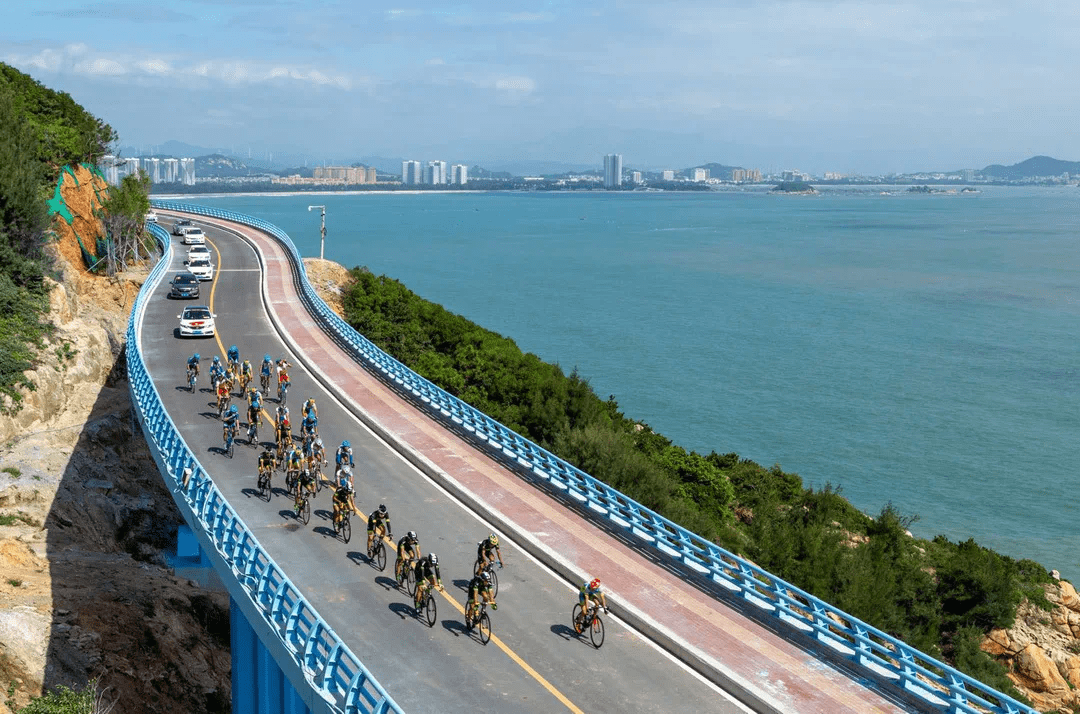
x,y
493,539
232,348
216,360
346,444
411,535
594,584
318,441
486,576
433,559
196,355
232,409
382,508
267,358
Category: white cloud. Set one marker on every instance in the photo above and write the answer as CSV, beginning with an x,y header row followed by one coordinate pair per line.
x,y
515,85
80,60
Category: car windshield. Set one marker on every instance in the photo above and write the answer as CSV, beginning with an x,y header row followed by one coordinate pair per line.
x,y
184,280
196,314
199,263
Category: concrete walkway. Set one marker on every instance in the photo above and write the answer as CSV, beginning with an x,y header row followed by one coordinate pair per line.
x,y
756,665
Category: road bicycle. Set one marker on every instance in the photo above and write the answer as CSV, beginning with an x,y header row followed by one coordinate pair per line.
x,y
424,603
482,622
253,432
405,575
377,553
342,523
282,392
481,566
264,485
264,383
304,512
223,405
245,380
591,622
192,377
230,437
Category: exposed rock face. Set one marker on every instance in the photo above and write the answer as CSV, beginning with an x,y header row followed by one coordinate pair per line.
x,y
1042,650
86,520
330,281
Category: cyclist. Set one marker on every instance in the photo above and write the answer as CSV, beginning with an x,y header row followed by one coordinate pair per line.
x,y
223,394
344,455
427,576
293,462
267,463
233,355
343,501
310,425
230,377
305,482
193,363
590,595
313,457
229,423
265,371
487,550
216,372
284,427
254,400
408,550
378,525
310,408
480,589
245,374
318,451
283,370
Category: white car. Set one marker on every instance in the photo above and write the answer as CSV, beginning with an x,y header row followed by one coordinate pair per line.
x,y
200,268
151,217
196,321
198,251
180,227
194,236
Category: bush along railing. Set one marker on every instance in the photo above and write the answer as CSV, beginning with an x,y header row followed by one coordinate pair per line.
x,y
881,656
338,678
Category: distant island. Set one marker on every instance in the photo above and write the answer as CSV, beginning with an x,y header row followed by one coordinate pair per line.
x,y
794,187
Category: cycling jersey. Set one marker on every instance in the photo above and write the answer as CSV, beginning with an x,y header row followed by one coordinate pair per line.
x,y
376,518
341,494
485,547
254,398
309,406
309,424
339,458
234,355
193,362
267,367
425,570
408,545
590,592
230,421
266,460
245,368
253,413
477,586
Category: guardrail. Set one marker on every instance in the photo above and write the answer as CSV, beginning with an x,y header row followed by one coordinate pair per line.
x,y
338,677
877,653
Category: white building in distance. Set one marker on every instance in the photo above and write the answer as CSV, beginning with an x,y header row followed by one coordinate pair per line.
x,y
612,170
411,174
459,174
187,172
668,175
435,173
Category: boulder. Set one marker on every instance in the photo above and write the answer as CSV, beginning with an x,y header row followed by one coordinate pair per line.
x,y
1039,677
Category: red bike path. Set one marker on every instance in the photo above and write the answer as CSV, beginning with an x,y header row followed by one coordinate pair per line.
x,y
738,653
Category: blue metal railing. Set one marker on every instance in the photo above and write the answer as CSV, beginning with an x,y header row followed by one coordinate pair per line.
x,y
338,677
878,653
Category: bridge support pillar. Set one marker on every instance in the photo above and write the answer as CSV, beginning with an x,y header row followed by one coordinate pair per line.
x,y
258,684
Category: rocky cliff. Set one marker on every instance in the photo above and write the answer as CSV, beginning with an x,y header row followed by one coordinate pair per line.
x,y
86,523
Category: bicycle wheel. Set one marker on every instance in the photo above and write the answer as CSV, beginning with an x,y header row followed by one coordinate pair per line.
x,y
485,627
575,618
290,482
380,554
410,580
305,511
346,529
494,583
430,610
264,488
596,632
477,567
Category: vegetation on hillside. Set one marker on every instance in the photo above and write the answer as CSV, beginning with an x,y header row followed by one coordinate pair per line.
x,y
40,131
937,595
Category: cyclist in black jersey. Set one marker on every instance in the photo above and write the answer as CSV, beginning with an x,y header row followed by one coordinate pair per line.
x,y
427,576
408,550
480,589
378,525
487,550
267,463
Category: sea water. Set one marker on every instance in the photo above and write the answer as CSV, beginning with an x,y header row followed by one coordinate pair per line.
x,y
906,348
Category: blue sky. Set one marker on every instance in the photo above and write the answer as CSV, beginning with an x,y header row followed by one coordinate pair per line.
x,y
815,85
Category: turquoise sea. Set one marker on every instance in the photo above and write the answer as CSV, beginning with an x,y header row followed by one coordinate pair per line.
x,y
918,349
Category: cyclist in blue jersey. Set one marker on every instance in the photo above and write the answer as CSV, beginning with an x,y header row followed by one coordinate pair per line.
x,y
193,363
233,355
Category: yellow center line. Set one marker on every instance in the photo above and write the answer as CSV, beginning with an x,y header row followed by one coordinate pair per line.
x,y
458,606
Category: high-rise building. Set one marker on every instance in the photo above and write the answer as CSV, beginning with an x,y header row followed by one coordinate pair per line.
x,y
635,176
109,169
612,170
667,175
435,173
152,167
699,175
459,174
371,175
171,170
187,171
131,167
411,174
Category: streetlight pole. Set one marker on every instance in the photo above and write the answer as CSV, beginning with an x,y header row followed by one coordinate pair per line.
x,y
322,241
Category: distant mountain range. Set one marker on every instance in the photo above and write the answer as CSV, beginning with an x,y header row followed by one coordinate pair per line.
x,y
1035,166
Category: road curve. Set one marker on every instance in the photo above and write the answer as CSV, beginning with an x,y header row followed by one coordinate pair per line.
x,y
535,663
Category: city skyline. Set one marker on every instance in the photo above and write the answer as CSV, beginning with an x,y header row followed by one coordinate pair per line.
x,y
835,85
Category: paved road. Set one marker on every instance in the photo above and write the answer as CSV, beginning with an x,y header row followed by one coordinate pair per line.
x,y
537,665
